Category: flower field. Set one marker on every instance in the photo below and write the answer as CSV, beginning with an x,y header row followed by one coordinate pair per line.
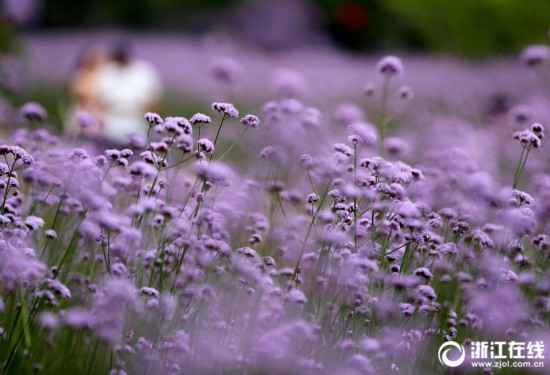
x,y
349,237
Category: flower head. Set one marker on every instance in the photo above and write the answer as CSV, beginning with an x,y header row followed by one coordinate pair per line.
x,y
251,121
225,70
200,118
153,118
179,122
32,111
206,145
535,55
390,66
227,109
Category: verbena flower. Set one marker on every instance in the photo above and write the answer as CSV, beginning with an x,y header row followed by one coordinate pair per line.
x,y
200,118
153,118
535,55
225,70
251,121
227,109
390,66
33,112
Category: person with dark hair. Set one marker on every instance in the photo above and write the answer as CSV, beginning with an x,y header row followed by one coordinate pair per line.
x,y
127,88
121,53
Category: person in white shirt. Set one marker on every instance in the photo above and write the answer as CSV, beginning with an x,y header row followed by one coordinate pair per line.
x,y
126,89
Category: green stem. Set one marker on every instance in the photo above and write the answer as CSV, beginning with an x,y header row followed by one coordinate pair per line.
x,y
179,162
92,357
219,129
355,197
149,133
178,268
7,189
107,256
310,227
407,258
228,150
52,226
519,168
24,334
198,136
383,115
311,182
278,196
218,134
522,169
71,245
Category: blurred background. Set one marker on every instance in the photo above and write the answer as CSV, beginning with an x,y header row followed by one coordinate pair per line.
x,y
470,28
247,51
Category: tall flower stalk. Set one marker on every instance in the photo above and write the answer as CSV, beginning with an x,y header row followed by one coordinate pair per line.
x,y
529,139
389,67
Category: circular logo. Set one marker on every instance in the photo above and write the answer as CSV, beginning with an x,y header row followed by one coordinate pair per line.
x,y
448,347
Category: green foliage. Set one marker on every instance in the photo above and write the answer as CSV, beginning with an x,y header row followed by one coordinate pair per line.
x,y
8,38
474,27
54,99
465,27
137,13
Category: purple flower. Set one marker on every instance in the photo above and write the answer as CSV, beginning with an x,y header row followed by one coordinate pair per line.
x,y
206,145
535,55
225,70
153,118
200,118
251,121
32,111
390,66
227,109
